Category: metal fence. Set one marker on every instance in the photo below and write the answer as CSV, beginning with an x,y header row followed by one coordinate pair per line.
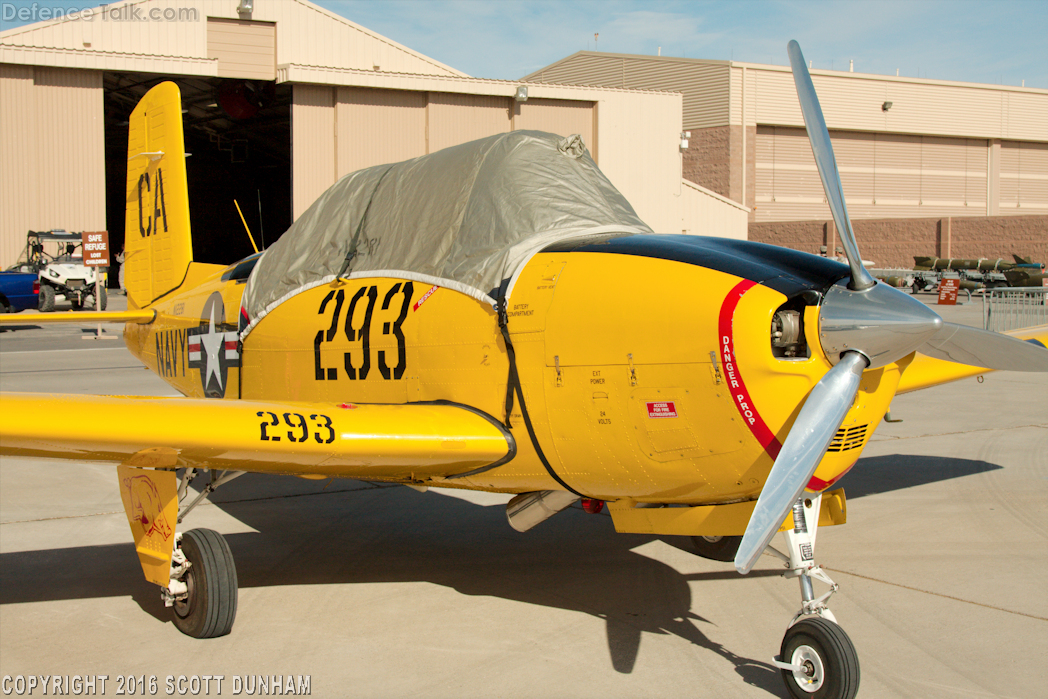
x,y
1009,309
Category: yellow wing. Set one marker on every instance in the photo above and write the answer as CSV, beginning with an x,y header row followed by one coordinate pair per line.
x,y
143,316
920,371
381,442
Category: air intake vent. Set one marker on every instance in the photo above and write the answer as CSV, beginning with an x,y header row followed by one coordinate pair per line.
x,y
848,438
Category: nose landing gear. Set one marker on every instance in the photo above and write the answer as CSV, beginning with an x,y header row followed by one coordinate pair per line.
x,y
817,659
821,660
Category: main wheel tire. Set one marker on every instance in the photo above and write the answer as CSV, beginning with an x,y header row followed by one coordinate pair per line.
x,y
46,302
211,607
828,656
717,548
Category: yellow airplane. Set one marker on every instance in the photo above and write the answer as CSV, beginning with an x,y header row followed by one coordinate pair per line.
x,y
496,317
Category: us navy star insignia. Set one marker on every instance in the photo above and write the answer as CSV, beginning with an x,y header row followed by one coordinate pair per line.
x,y
213,347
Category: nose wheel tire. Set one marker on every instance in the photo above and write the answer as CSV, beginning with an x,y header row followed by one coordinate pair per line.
x,y
830,665
211,605
716,548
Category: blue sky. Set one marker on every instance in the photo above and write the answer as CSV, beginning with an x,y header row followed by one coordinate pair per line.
x,y
999,42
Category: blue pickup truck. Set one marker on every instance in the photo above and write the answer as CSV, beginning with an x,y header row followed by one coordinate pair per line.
x,y
19,291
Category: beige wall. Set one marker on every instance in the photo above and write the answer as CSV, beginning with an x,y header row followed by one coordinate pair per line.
x,y
379,126
707,213
704,84
338,130
636,134
243,48
633,135
943,148
313,160
899,175
52,154
933,107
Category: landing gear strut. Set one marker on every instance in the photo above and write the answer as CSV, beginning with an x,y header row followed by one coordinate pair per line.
x,y
817,659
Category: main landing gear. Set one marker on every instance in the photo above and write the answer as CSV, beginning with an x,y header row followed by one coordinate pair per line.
x,y
203,588
817,659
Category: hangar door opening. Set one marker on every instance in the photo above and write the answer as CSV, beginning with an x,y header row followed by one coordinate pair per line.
x,y
238,132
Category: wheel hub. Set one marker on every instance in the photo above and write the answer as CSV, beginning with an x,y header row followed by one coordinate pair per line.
x,y
811,678
184,605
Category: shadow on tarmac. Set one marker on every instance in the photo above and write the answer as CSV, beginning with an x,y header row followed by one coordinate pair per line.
x,y
362,533
884,474
574,562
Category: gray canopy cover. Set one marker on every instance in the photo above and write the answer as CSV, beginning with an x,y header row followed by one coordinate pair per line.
x,y
466,218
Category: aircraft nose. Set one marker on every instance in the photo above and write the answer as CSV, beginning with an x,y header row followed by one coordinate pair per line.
x,y
881,323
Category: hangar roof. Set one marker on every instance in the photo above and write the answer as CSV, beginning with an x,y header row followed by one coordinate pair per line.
x,y
184,37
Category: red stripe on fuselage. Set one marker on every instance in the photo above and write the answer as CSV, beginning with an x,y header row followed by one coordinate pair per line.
x,y
739,395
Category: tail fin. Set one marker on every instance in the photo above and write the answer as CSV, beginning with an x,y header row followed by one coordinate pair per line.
x,y
158,245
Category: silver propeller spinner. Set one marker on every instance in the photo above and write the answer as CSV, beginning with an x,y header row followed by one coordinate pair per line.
x,y
862,324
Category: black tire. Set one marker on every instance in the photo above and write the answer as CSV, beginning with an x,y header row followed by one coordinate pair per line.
x,y
716,548
211,607
46,302
829,656
89,300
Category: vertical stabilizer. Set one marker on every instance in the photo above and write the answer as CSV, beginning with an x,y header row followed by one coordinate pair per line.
x,y
158,246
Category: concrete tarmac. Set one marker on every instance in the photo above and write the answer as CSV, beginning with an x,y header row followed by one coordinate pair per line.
x,y
381,591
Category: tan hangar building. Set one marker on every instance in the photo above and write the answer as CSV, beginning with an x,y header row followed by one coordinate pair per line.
x,y
928,166
280,99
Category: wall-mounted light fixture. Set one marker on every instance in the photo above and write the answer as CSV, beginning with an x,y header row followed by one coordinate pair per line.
x,y
245,8
522,94
886,106
684,136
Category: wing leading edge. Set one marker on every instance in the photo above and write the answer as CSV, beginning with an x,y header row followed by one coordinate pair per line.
x,y
400,442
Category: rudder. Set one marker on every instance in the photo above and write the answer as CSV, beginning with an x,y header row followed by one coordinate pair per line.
x,y
158,245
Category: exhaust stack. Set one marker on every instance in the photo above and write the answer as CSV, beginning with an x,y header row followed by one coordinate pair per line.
x,y
528,509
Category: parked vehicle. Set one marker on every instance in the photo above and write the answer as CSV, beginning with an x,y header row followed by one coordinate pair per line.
x,y
62,274
19,291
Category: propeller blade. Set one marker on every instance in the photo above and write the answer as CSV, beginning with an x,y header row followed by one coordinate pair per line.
x,y
817,423
819,137
976,347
